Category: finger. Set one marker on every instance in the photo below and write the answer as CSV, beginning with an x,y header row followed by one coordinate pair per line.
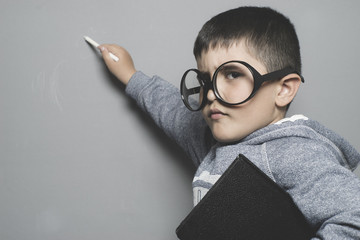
x,y
113,48
104,51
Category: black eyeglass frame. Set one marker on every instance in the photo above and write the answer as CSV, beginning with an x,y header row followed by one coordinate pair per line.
x,y
210,83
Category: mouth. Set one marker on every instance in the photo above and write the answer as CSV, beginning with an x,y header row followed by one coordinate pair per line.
x,y
216,114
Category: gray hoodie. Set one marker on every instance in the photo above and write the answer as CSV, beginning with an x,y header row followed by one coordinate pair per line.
x,y
312,163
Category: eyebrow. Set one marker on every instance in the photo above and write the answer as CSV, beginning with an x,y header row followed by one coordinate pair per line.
x,y
207,72
229,67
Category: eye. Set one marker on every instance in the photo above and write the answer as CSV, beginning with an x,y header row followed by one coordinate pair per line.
x,y
233,75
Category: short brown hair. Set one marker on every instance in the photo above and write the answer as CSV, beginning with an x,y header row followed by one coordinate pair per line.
x,y
269,35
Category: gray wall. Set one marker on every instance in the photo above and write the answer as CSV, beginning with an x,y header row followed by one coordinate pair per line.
x,y
78,160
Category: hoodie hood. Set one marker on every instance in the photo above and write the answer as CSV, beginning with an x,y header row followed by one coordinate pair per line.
x,y
301,126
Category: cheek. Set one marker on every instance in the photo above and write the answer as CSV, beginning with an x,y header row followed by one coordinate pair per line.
x,y
264,99
203,113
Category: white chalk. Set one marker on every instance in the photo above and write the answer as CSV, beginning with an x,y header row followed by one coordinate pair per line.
x,y
95,44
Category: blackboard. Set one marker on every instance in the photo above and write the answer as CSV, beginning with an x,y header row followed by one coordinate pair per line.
x,y
78,159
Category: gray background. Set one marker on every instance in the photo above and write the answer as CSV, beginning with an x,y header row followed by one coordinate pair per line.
x,y
78,160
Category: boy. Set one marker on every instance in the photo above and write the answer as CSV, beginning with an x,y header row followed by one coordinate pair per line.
x,y
248,73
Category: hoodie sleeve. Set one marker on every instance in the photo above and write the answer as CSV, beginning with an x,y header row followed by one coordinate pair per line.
x,y
327,193
162,102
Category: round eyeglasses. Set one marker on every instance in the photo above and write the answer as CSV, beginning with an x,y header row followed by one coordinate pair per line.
x,y
233,83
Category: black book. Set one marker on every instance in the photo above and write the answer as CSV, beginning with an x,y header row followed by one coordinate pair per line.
x,y
245,204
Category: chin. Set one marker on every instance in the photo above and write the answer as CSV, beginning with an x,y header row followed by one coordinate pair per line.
x,y
227,138
227,134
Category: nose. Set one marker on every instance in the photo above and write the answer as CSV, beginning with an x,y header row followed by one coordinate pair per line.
x,y
211,95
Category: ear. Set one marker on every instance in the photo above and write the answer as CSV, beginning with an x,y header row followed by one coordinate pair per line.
x,y
287,89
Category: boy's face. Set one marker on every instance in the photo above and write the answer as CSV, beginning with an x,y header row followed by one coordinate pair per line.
x,y
233,123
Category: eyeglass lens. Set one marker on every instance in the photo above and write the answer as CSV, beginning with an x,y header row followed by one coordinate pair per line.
x,y
191,89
